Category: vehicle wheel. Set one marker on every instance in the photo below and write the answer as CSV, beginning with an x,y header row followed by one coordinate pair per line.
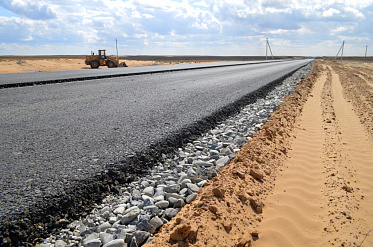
x,y
110,64
95,64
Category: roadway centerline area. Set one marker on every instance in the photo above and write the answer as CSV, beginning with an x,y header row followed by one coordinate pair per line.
x,y
65,145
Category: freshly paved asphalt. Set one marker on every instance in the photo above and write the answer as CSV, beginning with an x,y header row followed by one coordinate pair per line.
x,y
58,136
48,77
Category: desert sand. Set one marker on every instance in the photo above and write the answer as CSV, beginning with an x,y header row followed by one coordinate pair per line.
x,y
304,179
34,64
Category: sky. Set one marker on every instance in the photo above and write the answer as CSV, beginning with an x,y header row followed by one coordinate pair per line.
x,y
186,27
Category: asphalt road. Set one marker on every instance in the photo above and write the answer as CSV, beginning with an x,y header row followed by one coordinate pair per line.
x,y
47,77
57,139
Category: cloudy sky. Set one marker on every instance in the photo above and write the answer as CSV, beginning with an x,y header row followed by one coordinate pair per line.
x,y
186,27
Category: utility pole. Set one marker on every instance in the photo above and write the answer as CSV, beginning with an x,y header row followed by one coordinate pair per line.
x,y
116,45
268,46
366,51
342,47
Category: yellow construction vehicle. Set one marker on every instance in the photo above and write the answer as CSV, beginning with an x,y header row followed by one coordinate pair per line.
x,y
102,60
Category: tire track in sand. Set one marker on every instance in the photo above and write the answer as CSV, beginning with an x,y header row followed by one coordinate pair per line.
x,y
324,196
292,215
350,168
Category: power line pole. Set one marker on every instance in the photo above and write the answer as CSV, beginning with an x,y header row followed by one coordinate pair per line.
x,y
366,51
342,47
116,46
268,46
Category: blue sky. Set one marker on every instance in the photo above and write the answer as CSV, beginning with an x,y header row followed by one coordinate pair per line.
x,y
186,27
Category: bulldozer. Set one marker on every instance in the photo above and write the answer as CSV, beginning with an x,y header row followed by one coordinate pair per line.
x,y
101,59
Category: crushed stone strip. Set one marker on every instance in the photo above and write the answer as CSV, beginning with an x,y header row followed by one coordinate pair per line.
x,y
136,214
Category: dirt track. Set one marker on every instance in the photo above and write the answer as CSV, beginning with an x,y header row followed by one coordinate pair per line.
x,y
315,155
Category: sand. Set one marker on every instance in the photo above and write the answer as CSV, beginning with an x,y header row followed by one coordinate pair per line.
x,y
34,64
323,197
314,158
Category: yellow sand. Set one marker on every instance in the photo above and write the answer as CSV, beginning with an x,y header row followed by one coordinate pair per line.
x,y
55,64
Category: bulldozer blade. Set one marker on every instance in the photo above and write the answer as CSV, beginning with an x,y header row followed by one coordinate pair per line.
x,y
123,64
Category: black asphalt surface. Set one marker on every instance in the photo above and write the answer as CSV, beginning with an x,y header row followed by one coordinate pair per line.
x,y
65,145
49,77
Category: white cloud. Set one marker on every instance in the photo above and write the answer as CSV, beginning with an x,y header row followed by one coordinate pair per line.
x,y
139,36
136,14
89,36
279,31
355,12
181,26
356,38
147,16
330,12
29,9
341,29
201,4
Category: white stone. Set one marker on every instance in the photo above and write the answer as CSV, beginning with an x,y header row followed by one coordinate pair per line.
x,y
92,243
174,188
191,197
162,204
152,209
158,198
156,222
193,187
130,216
104,209
60,243
105,237
104,226
115,243
149,191
119,210
112,220
222,162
